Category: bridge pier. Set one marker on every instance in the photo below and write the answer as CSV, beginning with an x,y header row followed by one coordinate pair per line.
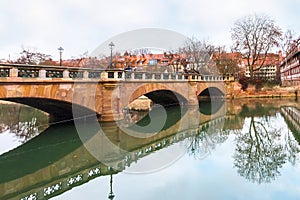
x,y
111,110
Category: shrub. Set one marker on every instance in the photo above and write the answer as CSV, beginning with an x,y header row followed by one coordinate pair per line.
x,y
244,82
258,82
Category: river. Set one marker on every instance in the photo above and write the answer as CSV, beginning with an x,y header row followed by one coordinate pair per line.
x,y
238,149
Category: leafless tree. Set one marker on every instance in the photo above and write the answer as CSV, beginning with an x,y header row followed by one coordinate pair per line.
x,y
227,63
90,62
287,41
198,53
29,56
255,36
140,51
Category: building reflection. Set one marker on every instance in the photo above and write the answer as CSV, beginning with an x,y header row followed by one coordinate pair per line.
x,y
292,117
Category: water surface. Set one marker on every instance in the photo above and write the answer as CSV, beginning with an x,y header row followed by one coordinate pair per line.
x,y
247,149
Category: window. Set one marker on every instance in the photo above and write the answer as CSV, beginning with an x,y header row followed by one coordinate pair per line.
x,y
152,62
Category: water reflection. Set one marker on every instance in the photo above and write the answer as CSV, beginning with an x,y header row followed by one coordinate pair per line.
x,y
158,119
210,107
262,148
22,121
202,144
57,160
111,194
260,151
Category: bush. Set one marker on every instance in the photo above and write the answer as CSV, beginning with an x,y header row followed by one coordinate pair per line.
x,y
258,82
244,82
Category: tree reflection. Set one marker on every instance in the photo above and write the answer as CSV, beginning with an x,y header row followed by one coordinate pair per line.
x,y
262,150
291,148
205,140
25,130
22,121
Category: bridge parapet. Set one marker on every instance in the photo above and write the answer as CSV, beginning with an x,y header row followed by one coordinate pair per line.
x,y
156,76
44,72
47,72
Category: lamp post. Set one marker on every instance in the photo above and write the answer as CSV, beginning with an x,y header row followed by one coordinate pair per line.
x,y
111,45
60,50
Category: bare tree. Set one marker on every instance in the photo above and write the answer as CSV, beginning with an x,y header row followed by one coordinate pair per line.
x,y
89,62
32,57
140,51
227,63
197,53
255,36
287,41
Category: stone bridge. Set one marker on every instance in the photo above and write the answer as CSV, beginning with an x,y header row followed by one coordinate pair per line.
x,y
66,92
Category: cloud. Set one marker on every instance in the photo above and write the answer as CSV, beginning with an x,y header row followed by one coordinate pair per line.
x,y
80,25
142,38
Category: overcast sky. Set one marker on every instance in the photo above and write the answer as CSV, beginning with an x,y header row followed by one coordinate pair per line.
x,y
82,25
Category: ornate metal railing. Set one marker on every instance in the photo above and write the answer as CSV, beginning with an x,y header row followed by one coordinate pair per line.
x,y
4,72
54,73
28,73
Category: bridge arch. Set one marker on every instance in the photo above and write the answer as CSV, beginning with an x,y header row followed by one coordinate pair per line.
x,y
58,110
211,92
166,97
158,93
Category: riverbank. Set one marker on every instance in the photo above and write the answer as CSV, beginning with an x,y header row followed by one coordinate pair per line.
x,y
234,91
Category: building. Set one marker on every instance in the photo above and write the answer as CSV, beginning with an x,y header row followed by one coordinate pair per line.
x,y
163,62
290,65
267,67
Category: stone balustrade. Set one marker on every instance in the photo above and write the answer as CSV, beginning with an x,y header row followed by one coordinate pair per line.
x,y
50,72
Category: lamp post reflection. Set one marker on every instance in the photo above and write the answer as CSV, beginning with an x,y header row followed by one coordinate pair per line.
x,y
111,195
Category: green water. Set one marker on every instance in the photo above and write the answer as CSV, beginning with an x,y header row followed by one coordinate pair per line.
x,y
246,149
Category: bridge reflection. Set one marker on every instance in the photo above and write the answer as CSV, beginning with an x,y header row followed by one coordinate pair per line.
x,y
58,159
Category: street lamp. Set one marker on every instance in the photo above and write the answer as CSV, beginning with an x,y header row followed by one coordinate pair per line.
x,y
111,45
60,50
